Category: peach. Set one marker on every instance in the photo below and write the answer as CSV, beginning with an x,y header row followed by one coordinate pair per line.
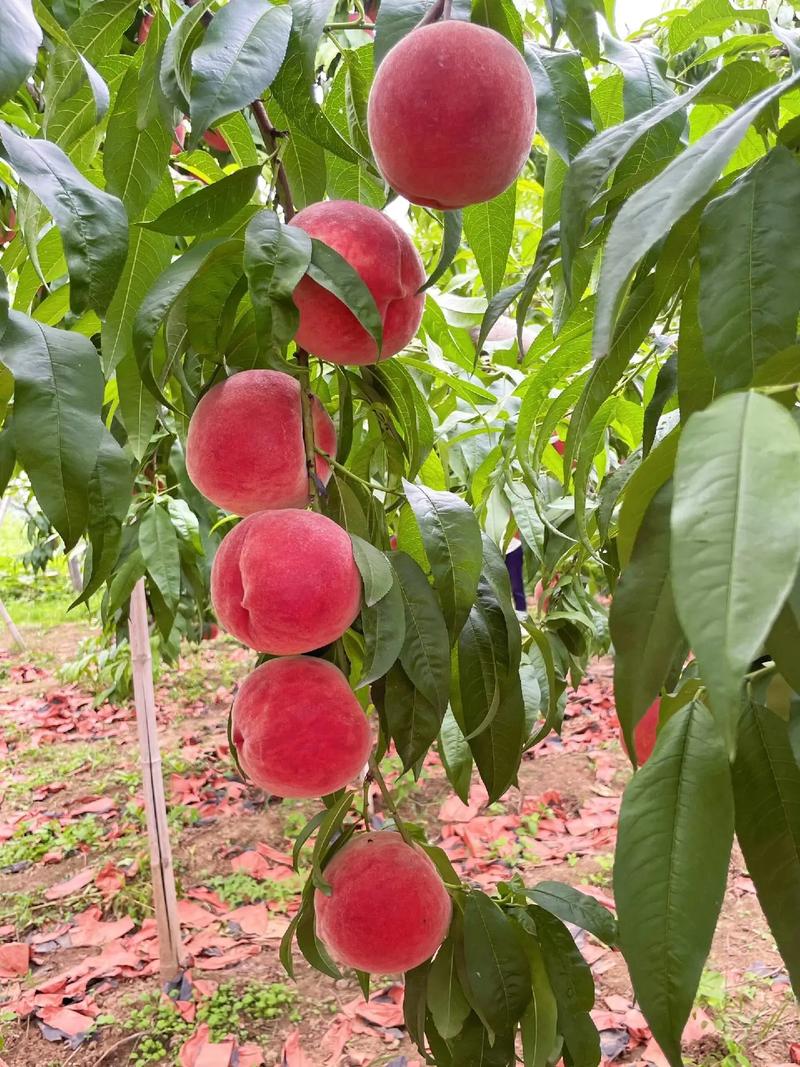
x,y
285,582
390,267
245,449
645,734
451,115
388,910
298,729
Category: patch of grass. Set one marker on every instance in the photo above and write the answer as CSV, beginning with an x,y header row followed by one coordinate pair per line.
x,y
230,1011
239,888
741,1016
56,763
602,877
29,844
38,600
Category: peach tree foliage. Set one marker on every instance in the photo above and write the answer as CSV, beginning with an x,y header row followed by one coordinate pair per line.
x,y
650,253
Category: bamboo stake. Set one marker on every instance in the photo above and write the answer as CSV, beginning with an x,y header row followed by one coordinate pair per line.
x,y
162,873
16,636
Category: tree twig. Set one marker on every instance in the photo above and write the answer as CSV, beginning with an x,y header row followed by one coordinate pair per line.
x,y
388,799
271,137
123,1041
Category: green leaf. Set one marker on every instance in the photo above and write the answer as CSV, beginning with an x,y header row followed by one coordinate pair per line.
x,y
93,224
569,973
384,627
766,786
643,485
650,212
19,46
334,273
564,109
308,168
415,987
446,1001
572,906
110,493
329,828
489,230
58,395
240,56
292,87
162,295
76,96
539,1020
413,721
644,626
454,751
497,967
210,207
783,642
426,650
749,257
395,19
275,259
501,16
135,154
175,73
452,539
452,222
159,547
476,1047
729,580
8,456
709,18
674,844
137,406
148,255
375,569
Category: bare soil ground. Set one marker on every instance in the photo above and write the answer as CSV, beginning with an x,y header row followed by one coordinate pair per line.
x,y
78,956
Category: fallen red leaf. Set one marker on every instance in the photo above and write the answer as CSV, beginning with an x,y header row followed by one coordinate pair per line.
x,y
293,1055
227,959
275,855
91,930
251,918
72,885
14,960
794,1052
336,1038
251,863
251,1056
110,880
194,915
67,1020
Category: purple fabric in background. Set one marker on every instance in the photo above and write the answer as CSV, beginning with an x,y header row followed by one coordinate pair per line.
x,y
514,566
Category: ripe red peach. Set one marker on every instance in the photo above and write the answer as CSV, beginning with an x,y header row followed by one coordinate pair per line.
x,y
388,910
645,734
390,267
245,449
298,729
451,115
285,582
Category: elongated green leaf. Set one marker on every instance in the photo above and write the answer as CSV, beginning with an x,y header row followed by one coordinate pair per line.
x,y
334,273
453,749
175,72
489,230
330,826
572,906
749,256
159,546
138,407
275,259
729,581
210,207
766,785
162,295
375,569
538,1023
446,1001
148,255
19,46
579,19
709,18
76,95
396,18
93,224
498,970
564,109
413,721
242,52
675,836
110,492
643,485
452,222
384,627
425,655
58,395
783,643
476,1047
644,626
135,154
651,211
452,539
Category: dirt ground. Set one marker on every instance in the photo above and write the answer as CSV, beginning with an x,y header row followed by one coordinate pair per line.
x,y
78,957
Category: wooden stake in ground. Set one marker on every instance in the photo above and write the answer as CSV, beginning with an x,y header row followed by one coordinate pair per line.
x,y
12,629
163,875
